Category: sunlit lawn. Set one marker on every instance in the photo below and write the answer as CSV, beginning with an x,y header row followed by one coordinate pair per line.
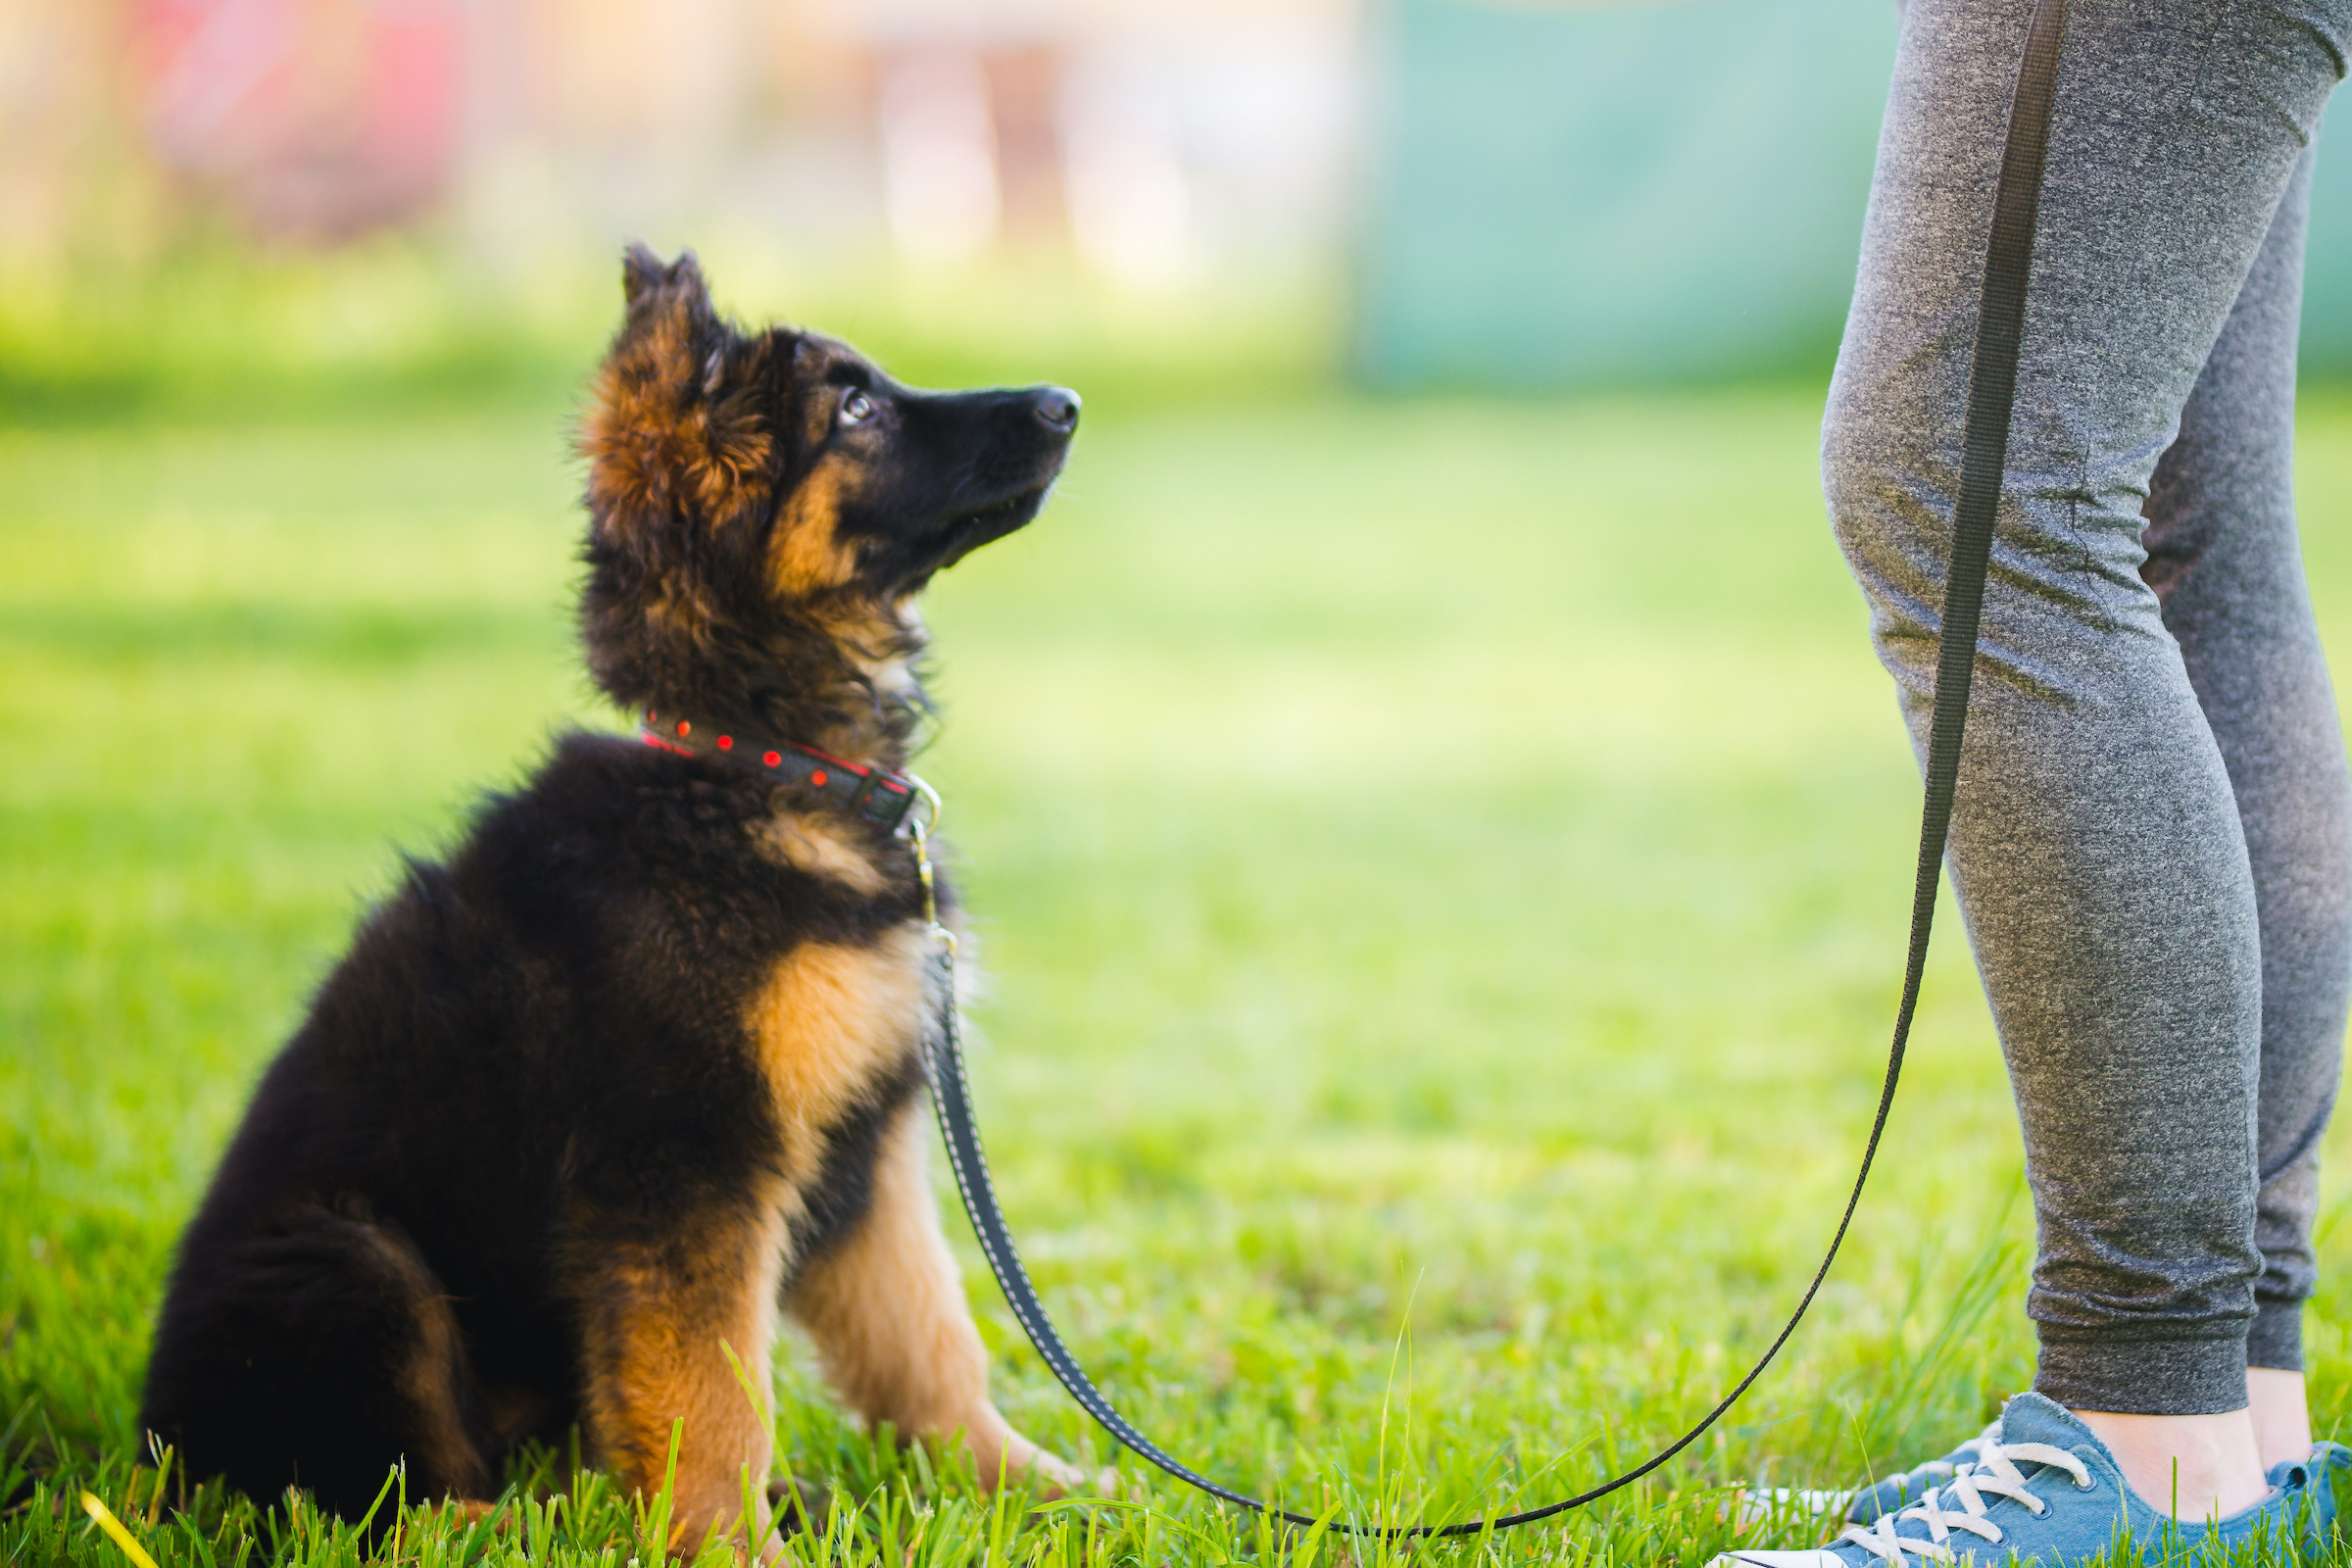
x,y
1441,867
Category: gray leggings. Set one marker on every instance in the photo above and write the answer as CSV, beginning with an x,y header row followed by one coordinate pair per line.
x,y
2153,839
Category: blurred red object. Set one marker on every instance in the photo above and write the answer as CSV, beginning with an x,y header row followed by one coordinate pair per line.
x,y
309,118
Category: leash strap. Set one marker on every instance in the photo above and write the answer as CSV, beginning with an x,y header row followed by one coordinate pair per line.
x,y
1991,393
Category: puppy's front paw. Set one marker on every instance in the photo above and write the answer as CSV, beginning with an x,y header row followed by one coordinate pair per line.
x,y
1053,1478
1002,1456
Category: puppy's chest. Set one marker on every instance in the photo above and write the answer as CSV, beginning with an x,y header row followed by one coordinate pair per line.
x,y
832,1025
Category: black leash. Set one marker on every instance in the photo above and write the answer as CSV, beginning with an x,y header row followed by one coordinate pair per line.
x,y
1992,389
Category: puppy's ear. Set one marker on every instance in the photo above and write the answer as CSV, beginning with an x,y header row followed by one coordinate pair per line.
x,y
644,275
676,430
640,273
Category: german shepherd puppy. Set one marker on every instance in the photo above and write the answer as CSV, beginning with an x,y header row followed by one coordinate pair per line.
x,y
585,1105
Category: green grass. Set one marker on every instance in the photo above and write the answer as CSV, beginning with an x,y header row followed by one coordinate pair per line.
x,y
206,332
1441,865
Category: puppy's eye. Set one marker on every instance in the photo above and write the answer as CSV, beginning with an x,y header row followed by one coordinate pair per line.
x,y
857,409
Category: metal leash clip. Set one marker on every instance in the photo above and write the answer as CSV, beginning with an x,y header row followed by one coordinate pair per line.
x,y
919,826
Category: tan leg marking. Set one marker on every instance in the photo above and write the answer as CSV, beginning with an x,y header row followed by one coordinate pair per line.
x,y
654,1319
893,1332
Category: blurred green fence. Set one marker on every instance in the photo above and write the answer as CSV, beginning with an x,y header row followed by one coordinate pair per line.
x,y
1613,193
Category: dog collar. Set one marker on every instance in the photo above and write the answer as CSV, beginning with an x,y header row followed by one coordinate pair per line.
x,y
867,792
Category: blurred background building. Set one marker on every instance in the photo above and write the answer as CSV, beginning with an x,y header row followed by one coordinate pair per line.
x,y
1591,194
1156,137
1517,194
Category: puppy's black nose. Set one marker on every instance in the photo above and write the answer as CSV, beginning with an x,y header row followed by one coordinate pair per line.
x,y
1058,407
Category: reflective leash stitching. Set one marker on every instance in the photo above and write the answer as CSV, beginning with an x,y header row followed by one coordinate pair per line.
x,y
1991,396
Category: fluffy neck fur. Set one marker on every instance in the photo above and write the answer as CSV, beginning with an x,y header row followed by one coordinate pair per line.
x,y
840,675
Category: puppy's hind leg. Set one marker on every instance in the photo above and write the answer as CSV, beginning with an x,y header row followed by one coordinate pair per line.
x,y
317,1351
886,1309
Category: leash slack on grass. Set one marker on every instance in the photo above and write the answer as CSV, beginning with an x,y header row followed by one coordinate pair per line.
x,y
1991,394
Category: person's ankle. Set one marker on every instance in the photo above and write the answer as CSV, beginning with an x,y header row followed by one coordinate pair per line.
x,y
2194,1467
2280,1413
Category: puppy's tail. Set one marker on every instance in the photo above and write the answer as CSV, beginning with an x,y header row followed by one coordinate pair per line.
x,y
320,1351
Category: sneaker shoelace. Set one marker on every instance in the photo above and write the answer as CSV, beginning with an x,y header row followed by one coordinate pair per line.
x,y
1995,1473
1974,1447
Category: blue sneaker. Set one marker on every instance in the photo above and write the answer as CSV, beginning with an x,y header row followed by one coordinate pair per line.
x,y
2045,1491
1897,1493
2317,1477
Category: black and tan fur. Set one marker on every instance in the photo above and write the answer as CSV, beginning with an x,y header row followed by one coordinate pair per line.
x,y
585,1105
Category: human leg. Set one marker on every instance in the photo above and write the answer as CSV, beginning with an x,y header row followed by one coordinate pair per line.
x,y
2097,847
2227,566
2280,1410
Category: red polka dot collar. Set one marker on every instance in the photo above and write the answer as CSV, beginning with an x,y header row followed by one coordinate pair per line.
x,y
868,793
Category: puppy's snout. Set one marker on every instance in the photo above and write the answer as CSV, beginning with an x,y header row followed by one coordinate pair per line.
x,y
1057,408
